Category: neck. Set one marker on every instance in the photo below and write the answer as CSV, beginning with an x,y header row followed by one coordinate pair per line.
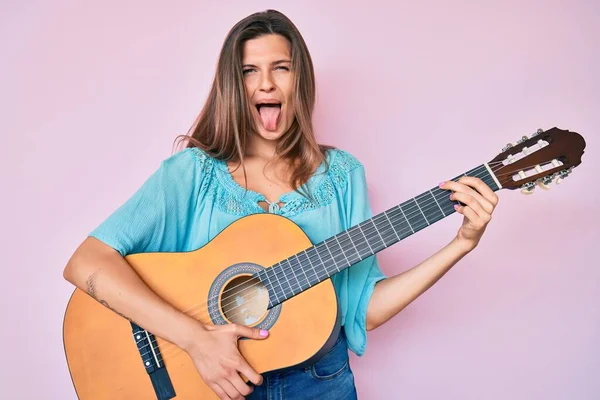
x,y
313,265
261,148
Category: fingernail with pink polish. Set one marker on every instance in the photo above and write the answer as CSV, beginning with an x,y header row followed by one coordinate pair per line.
x,y
264,333
441,184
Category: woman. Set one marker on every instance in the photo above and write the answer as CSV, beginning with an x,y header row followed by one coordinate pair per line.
x,y
255,132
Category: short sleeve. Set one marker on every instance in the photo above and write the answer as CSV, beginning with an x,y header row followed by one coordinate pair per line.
x,y
363,275
156,217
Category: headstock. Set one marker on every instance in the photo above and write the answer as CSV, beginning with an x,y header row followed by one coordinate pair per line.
x,y
546,156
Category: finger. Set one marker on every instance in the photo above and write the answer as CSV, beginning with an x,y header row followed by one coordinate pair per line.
x,y
471,215
231,391
472,203
252,333
463,188
219,391
240,385
250,374
481,187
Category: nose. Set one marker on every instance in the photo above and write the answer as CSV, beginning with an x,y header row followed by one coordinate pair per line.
x,y
266,83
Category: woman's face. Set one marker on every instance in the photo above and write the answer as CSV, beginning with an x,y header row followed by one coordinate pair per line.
x,y
269,83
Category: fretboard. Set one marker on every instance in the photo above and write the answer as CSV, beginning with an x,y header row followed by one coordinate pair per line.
x,y
319,262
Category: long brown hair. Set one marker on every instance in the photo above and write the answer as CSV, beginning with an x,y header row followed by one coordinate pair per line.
x,y
223,127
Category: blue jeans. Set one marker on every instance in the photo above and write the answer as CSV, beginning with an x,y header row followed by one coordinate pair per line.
x,y
329,378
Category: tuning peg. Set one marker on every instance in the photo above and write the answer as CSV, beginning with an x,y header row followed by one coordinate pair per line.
x,y
562,175
508,146
544,182
528,188
538,132
524,138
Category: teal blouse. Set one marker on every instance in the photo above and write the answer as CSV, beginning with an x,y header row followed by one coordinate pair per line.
x,y
192,197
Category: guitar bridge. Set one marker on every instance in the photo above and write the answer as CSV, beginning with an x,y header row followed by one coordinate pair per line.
x,y
153,363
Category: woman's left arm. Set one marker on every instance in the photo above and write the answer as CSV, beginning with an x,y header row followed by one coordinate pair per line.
x,y
391,295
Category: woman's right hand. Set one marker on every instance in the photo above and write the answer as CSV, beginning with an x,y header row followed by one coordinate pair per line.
x,y
214,350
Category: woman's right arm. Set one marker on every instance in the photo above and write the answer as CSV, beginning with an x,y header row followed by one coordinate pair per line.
x,y
104,274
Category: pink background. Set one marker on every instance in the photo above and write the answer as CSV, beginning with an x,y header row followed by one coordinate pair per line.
x,y
93,95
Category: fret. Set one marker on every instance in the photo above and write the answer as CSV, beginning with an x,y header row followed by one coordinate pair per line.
x,y
328,258
436,202
285,274
352,256
429,207
377,230
274,295
384,230
337,255
354,246
319,255
315,273
300,287
360,241
374,239
415,219
304,272
291,270
341,248
404,215
268,284
443,198
402,227
273,270
366,240
415,201
302,265
332,257
311,265
392,225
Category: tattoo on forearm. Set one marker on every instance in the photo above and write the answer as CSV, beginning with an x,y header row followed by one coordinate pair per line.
x,y
104,303
91,285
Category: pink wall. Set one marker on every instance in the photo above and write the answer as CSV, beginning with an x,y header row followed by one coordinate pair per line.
x,y
93,95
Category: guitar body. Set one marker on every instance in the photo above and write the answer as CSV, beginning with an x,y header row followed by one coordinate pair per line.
x,y
101,351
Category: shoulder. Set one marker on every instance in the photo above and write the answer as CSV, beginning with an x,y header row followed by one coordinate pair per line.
x,y
184,171
342,165
188,161
189,155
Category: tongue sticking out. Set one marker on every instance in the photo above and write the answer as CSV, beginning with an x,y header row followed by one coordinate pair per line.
x,y
269,116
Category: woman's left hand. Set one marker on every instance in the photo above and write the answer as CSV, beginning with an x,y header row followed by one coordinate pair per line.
x,y
479,203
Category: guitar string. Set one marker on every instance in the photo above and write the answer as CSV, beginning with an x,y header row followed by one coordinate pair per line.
x,y
368,232
380,233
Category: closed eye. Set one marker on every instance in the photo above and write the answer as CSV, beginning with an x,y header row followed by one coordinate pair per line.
x,y
252,69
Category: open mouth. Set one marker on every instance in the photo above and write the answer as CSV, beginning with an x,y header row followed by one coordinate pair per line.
x,y
269,114
272,105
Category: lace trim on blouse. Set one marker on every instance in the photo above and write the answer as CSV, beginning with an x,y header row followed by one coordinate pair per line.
x,y
234,199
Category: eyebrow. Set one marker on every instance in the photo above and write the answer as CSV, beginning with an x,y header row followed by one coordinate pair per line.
x,y
273,63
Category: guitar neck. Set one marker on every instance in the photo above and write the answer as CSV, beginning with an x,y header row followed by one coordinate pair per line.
x,y
303,270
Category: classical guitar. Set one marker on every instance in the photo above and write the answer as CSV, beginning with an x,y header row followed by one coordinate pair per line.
x,y
274,278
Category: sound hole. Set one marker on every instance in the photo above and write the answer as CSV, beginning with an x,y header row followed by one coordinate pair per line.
x,y
244,300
